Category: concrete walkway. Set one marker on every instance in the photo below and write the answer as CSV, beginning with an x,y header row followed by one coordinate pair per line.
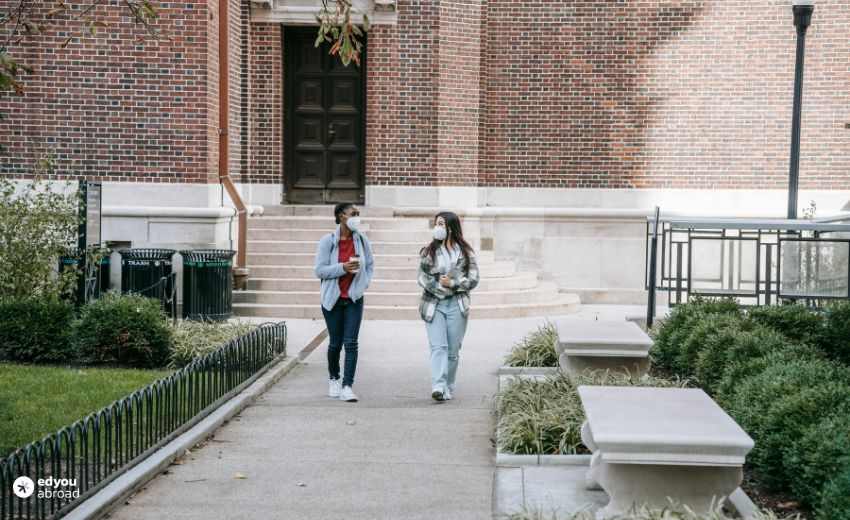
x,y
395,454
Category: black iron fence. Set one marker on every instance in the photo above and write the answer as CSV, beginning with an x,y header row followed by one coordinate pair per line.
x,y
81,459
759,262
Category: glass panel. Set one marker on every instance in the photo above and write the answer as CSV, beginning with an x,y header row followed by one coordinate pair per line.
x,y
724,266
814,269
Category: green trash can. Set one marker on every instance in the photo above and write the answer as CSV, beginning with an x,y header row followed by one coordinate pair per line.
x,y
208,284
149,272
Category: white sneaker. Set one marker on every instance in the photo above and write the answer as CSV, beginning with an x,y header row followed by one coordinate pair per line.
x,y
447,395
335,388
347,395
438,394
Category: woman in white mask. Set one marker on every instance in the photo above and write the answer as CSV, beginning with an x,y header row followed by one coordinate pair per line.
x,y
447,273
344,264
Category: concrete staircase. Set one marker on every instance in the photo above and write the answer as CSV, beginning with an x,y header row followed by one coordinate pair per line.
x,y
281,256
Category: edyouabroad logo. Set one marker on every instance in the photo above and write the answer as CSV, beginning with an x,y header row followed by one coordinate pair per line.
x,y
49,487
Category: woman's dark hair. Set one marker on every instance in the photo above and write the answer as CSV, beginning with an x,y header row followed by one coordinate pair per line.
x,y
456,234
340,209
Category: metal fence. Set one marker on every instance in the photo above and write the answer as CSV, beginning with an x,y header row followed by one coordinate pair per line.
x,y
758,262
107,443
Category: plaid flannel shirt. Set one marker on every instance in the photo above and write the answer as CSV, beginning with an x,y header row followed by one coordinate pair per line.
x,y
429,280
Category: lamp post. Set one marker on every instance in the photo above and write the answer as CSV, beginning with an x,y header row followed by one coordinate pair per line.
x,y
802,18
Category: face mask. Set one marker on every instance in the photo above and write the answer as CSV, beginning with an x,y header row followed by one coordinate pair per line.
x,y
439,233
353,223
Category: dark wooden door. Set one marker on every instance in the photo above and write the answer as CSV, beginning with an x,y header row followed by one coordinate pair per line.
x,y
324,129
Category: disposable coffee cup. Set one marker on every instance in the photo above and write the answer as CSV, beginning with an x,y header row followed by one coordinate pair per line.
x,y
355,258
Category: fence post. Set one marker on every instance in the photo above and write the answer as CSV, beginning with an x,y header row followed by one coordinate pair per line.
x,y
653,257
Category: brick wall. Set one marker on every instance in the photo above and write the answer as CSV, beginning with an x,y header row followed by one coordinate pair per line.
x,y
118,111
266,103
663,94
401,97
685,94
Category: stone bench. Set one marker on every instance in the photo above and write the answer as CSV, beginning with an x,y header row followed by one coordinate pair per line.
x,y
618,346
649,444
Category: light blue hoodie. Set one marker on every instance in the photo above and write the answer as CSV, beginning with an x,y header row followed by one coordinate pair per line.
x,y
329,269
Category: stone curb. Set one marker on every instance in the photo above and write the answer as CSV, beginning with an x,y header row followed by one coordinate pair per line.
x,y
113,495
510,460
537,371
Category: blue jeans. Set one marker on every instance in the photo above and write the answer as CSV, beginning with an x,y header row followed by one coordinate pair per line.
x,y
445,334
343,323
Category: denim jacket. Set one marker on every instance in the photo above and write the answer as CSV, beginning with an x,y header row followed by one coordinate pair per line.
x,y
329,269
429,280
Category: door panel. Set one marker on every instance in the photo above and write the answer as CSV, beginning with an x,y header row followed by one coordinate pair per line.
x,y
324,123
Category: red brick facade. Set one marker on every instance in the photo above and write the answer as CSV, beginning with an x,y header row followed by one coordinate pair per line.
x,y
584,94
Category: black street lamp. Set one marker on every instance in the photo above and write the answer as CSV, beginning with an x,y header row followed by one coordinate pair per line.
x,y
802,18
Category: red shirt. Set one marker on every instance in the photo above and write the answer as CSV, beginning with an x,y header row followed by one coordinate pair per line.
x,y
346,251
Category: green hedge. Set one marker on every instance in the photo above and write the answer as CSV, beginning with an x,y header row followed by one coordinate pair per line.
x,y
672,332
835,336
835,500
794,322
818,456
36,330
124,329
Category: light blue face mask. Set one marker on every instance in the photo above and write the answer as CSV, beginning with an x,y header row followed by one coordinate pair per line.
x,y
439,232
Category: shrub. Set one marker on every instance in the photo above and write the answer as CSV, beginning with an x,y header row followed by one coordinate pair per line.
x,y
126,329
37,224
793,321
195,339
36,330
730,347
739,371
537,349
545,416
821,454
702,333
671,333
835,501
755,394
788,420
836,332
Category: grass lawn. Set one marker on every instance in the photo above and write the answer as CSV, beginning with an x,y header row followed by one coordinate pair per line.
x,y
38,400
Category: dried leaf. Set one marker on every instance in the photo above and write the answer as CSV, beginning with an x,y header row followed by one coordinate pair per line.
x,y
239,476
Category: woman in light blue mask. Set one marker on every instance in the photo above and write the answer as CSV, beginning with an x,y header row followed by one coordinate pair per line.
x,y
447,273
344,263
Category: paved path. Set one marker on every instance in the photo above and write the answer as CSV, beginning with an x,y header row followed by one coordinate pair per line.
x,y
395,454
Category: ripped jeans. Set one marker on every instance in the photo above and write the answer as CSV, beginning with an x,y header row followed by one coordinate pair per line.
x,y
445,335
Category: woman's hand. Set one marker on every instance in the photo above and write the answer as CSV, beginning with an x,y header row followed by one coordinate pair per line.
x,y
351,267
445,281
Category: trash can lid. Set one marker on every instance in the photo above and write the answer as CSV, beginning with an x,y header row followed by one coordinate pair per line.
x,y
147,254
207,255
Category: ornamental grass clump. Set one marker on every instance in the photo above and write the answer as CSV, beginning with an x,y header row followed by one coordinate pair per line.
x,y
195,339
537,349
671,512
544,416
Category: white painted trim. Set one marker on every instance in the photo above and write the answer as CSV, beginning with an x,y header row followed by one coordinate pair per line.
x,y
172,211
306,15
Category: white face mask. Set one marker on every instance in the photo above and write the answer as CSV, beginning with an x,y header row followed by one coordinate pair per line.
x,y
353,223
440,233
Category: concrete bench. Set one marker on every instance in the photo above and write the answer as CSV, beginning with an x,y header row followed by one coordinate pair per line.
x,y
618,346
649,444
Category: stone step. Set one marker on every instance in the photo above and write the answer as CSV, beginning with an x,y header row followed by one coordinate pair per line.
x,y
307,246
314,235
322,211
521,280
543,293
565,304
272,222
492,270
381,260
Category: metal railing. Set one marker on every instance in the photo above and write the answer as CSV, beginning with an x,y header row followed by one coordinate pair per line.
x,y
758,262
96,450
